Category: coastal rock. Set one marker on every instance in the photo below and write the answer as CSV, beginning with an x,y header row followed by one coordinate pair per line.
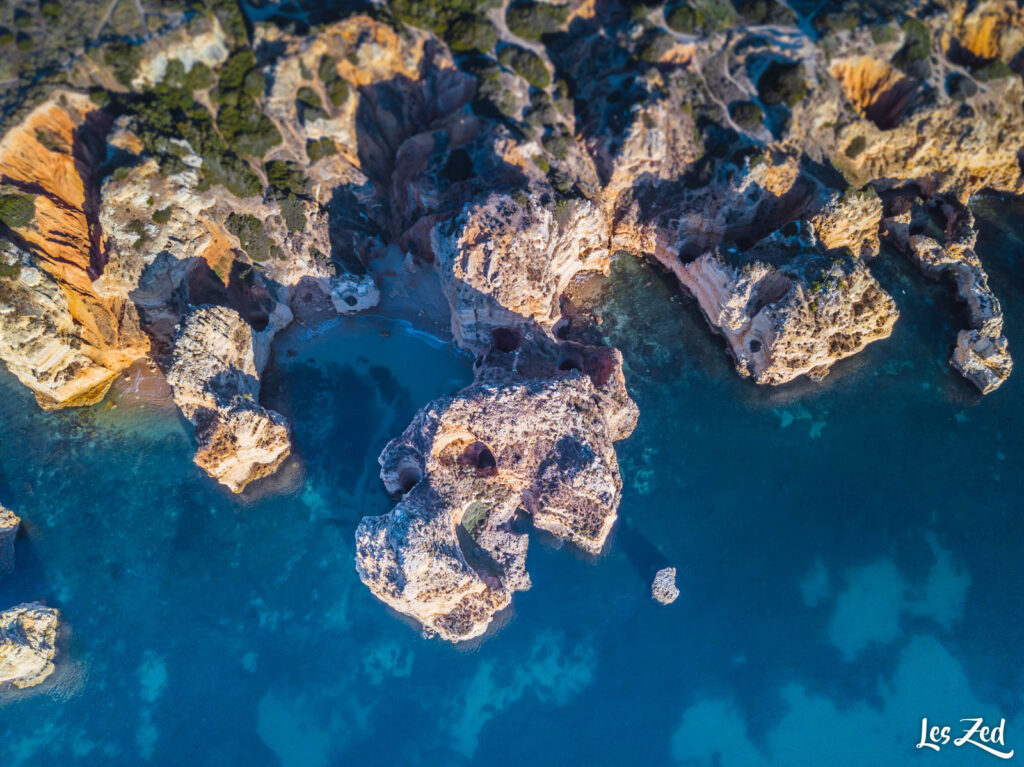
x,y
504,262
663,589
981,354
451,554
9,524
793,320
61,337
218,358
28,634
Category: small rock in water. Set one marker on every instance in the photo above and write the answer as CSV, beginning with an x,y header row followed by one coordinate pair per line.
x,y
9,524
28,634
664,587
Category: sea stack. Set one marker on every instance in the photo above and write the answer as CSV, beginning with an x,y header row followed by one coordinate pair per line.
x,y
664,587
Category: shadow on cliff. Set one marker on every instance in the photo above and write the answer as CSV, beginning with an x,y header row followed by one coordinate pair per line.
x,y
425,152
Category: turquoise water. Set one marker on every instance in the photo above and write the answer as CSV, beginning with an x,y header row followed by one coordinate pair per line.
x,y
848,554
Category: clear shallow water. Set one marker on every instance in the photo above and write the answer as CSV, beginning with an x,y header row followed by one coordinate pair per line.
x,y
848,556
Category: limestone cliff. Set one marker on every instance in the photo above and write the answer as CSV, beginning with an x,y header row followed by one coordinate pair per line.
x,y
505,260
60,336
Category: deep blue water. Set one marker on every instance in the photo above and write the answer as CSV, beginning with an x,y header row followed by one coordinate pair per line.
x,y
848,552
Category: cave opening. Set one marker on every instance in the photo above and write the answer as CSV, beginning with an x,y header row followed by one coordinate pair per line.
x,y
506,339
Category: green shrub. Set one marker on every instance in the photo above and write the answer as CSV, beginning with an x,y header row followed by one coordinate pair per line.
x,y
856,146
162,216
251,235
460,22
470,33
138,228
526,64
746,114
782,83
993,70
6,36
653,45
10,271
335,86
318,149
533,21
285,178
22,19
200,77
293,213
50,9
882,33
17,210
555,143
123,60
685,19
912,58
24,42
960,87
246,128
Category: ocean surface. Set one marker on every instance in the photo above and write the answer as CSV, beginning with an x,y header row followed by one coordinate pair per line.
x,y
848,552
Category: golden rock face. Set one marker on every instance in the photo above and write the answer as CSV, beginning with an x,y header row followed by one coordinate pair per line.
x,y
51,155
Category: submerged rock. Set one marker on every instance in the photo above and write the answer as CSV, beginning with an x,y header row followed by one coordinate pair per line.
x,y
28,634
218,359
9,524
663,589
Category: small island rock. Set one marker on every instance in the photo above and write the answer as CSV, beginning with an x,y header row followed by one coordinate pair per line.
x,y
664,587
28,634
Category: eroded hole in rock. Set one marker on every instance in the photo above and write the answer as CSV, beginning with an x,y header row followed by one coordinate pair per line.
x,y
408,477
755,346
570,360
769,290
478,456
506,339
459,166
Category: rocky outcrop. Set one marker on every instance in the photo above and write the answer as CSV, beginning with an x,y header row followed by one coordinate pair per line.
x,y
28,634
218,359
451,553
9,524
782,323
981,354
663,589
506,259
61,337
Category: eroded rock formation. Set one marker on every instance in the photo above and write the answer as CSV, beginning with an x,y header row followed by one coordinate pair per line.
x,y
218,359
60,336
28,635
982,352
793,320
506,259
450,553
